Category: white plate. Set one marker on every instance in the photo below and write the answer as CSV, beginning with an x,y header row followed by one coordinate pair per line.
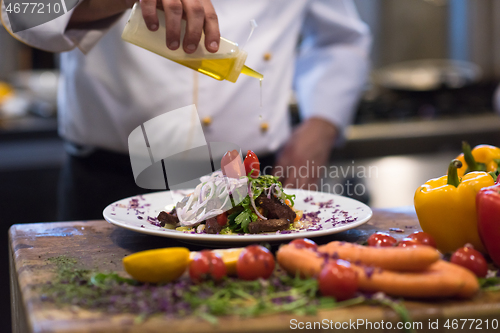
x,y
334,214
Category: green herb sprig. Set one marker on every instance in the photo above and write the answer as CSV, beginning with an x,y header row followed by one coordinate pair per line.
x,y
396,306
490,283
263,182
244,213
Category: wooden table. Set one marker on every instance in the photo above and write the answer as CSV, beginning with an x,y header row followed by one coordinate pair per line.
x,y
98,244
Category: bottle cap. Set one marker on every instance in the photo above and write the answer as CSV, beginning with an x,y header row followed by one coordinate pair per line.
x,y
238,66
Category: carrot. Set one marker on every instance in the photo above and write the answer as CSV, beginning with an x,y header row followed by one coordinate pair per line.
x,y
304,262
441,279
392,258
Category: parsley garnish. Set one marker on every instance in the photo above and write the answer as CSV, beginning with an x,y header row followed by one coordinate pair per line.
x,y
244,213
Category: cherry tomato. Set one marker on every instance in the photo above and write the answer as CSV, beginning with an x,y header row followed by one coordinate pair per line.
x,y
381,239
255,262
252,162
471,259
207,265
423,238
231,165
339,280
222,219
304,243
409,242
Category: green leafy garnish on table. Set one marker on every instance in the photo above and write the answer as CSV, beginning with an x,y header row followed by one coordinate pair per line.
x,y
112,293
490,283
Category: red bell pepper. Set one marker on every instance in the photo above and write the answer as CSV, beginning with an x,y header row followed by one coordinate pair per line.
x,y
488,219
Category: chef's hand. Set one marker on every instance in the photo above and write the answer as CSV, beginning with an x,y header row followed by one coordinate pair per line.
x,y
199,14
312,141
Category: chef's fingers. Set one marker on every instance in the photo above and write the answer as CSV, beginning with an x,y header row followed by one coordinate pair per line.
x,y
195,17
211,27
148,8
173,15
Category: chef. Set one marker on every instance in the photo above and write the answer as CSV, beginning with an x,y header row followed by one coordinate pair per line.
x,y
109,87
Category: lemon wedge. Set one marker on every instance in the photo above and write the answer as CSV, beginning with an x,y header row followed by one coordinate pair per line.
x,y
155,266
229,257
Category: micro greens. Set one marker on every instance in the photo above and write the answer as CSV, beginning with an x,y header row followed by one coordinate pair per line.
x,y
264,182
490,283
244,213
396,306
111,293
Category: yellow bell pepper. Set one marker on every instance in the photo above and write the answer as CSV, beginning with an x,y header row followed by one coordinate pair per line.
x,y
481,158
446,208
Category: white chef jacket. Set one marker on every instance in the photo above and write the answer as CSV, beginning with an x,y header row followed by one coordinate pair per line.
x,y
109,87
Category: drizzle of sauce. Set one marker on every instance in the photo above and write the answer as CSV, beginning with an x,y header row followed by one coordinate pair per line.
x,y
260,81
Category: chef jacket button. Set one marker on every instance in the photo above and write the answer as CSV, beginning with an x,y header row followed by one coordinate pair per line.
x,y
206,121
264,127
267,56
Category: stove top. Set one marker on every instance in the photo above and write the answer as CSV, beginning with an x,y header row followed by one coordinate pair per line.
x,y
379,104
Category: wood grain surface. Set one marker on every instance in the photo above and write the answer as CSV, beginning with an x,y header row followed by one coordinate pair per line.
x,y
98,244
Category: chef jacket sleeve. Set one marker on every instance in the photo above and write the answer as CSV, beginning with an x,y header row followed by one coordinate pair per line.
x,y
53,36
333,62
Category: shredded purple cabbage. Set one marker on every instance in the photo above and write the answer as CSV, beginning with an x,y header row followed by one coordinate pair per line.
x,y
369,270
308,199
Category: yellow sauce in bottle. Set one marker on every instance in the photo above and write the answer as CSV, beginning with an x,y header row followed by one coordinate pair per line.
x,y
226,64
218,69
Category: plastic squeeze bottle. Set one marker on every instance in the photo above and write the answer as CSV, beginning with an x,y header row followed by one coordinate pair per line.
x,y
226,64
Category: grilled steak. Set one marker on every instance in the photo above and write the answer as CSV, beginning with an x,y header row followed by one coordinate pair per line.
x,y
268,225
212,226
173,212
275,208
168,218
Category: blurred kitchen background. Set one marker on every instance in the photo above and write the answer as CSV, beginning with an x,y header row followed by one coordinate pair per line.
x,y
436,65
